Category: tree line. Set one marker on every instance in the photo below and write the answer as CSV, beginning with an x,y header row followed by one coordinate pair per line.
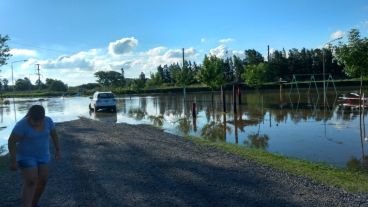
x,y
254,70
345,60
26,84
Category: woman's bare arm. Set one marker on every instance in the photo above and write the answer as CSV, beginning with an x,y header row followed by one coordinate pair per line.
x,y
12,145
55,140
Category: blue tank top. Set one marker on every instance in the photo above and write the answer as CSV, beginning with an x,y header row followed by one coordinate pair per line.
x,y
33,144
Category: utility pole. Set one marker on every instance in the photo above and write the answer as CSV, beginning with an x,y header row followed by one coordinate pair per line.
x,y
268,53
38,73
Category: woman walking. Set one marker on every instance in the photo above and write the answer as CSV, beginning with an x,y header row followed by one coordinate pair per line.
x,y
29,149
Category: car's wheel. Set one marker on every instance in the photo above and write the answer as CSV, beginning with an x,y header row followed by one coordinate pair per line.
x,y
96,108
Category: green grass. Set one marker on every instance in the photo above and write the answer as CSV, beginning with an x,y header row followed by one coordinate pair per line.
x,y
349,180
34,93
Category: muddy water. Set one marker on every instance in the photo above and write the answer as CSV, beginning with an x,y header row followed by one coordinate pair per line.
x,y
294,125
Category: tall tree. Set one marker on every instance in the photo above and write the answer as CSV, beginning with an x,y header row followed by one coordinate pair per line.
x,y
109,78
56,85
4,49
142,77
256,75
183,76
212,73
294,61
166,74
195,69
160,72
228,70
5,83
354,54
253,57
122,77
278,64
23,84
238,68
317,64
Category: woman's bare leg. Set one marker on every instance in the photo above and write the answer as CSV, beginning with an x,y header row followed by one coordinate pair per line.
x,y
43,174
30,177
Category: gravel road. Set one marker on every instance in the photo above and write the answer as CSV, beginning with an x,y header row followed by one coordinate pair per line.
x,y
125,165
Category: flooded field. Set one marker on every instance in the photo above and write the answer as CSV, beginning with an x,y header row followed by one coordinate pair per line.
x,y
301,126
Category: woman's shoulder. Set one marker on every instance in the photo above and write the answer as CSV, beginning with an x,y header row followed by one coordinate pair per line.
x,y
21,125
49,121
22,122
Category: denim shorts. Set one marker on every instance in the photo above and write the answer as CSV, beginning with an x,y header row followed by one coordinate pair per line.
x,y
31,163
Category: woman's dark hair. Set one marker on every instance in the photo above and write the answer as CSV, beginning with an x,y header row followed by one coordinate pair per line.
x,y
36,112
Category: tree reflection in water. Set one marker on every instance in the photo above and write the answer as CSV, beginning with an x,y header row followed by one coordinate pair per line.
x,y
157,121
137,114
356,164
259,141
215,131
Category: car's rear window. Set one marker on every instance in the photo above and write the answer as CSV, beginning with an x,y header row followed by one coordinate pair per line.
x,y
105,95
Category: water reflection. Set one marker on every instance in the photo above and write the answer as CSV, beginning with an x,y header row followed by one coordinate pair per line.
x,y
299,126
184,125
55,105
358,164
110,117
137,113
215,132
258,141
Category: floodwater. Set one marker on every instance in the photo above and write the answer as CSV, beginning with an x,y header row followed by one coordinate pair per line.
x,y
300,126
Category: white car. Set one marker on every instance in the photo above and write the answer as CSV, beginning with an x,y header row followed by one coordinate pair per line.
x,y
103,100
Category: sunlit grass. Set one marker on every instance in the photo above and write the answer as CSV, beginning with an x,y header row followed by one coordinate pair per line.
x,y
349,180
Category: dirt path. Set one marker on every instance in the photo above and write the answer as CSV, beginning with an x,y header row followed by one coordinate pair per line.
x,y
123,165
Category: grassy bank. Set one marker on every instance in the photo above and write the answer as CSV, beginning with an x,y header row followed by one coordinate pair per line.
x,y
36,93
174,89
349,180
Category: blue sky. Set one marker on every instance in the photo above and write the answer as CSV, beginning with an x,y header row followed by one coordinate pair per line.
x,y
73,39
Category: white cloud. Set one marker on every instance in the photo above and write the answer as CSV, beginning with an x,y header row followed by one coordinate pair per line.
x,y
203,40
227,40
79,68
84,60
179,53
23,52
220,52
337,34
156,51
272,50
123,46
